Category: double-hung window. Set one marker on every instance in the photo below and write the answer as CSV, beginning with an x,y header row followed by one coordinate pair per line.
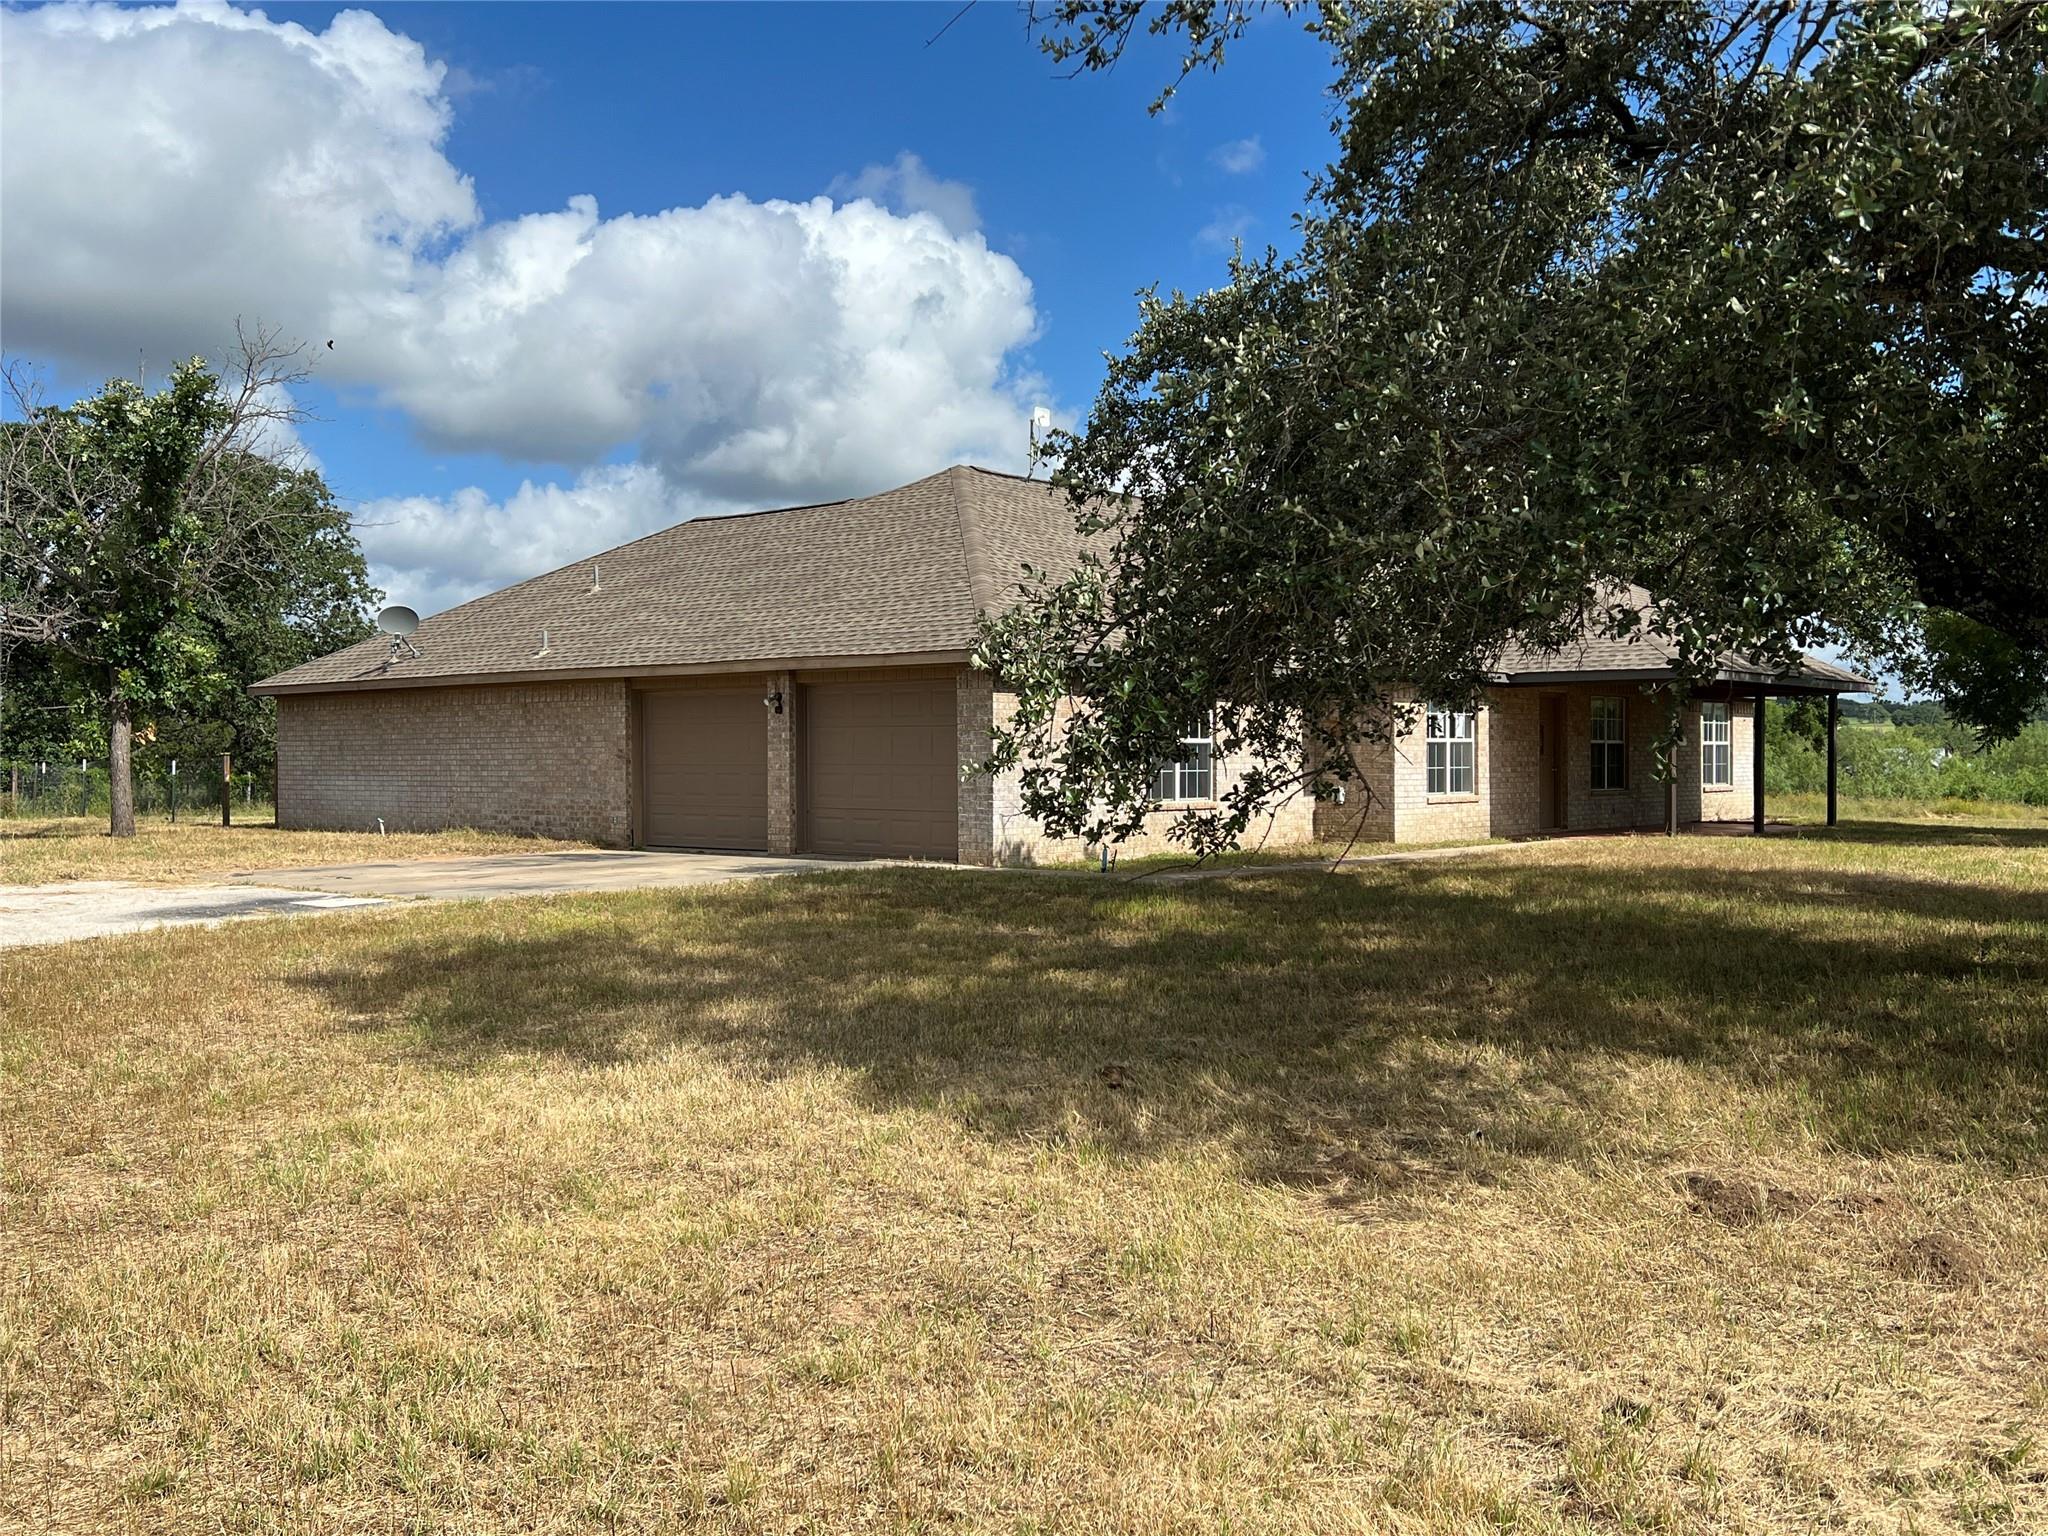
x,y
1192,774
1717,751
1610,743
1451,745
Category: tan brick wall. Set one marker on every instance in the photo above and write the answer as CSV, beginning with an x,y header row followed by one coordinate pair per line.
x,y
1518,791
975,692
782,730
1366,814
1511,797
1419,816
1020,839
1734,804
545,759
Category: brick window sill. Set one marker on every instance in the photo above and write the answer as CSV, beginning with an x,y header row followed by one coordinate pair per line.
x,y
1451,799
1717,789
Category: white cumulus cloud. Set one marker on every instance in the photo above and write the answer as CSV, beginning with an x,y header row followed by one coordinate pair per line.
x,y
1226,227
169,171
1239,157
907,185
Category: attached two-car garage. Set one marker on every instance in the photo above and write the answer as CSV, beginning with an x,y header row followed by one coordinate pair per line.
x,y
874,759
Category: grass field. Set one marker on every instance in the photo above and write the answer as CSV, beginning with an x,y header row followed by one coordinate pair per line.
x,y
41,852
1943,812
1694,1185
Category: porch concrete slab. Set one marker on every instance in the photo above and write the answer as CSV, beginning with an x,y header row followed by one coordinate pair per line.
x,y
540,874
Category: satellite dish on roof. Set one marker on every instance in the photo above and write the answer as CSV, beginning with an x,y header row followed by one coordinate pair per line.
x,y
399,623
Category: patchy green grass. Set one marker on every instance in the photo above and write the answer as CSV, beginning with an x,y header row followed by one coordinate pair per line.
x,y
44,852
1813,809
1695,1186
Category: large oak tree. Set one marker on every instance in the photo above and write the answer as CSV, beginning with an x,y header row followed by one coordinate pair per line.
x,y
1736,300
161,550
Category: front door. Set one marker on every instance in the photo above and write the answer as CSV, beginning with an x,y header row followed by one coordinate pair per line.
x,y
1550,758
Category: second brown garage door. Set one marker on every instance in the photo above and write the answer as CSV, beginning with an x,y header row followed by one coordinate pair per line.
x,y
704,762
880,775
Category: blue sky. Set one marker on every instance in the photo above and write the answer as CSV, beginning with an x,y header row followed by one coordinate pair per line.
x,y
522,376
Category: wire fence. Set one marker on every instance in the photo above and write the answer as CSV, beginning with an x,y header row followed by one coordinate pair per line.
x,y
51,788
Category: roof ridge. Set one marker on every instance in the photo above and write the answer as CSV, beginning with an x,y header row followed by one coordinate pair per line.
x,y
973,543
1004,474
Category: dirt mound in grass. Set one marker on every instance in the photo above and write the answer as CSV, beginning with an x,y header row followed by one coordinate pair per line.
x,y
1740,1202
1943,1258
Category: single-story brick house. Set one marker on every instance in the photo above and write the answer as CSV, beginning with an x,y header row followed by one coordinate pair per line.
x,y
799,681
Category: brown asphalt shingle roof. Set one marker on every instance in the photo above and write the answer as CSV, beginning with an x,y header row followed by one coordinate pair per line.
x,y
1645,656
904,573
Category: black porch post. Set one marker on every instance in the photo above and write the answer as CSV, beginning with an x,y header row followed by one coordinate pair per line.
x,y
1834,709
1756,766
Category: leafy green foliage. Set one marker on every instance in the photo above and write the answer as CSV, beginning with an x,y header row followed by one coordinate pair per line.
x,y
1929,760
1738,302
154,561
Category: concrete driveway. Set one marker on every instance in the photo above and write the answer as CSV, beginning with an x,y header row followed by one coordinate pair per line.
x,y
56,914
538,874
87,909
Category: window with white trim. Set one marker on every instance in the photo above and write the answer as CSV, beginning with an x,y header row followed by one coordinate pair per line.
x,y
1717,747
1451,748
1191,775
1610,743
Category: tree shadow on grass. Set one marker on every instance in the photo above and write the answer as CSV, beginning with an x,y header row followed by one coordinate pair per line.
x,y
1311,1022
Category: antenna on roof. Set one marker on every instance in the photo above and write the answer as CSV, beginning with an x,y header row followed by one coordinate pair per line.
x,y
1041,429
399,624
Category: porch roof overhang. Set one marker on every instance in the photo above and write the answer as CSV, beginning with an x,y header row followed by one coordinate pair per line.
x,y
1816,679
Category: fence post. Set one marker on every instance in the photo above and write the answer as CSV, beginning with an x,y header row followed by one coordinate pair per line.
x,y
174,791
227,789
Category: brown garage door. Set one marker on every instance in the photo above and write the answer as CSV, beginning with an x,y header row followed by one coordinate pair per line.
x,y
704,765
880,774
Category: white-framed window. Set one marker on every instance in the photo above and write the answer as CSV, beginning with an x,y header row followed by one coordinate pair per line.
x,y
1610,743
1451,747
1191,775
1717,747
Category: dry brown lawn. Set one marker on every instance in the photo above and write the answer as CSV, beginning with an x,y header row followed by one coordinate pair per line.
x,y
1688,1186
46,851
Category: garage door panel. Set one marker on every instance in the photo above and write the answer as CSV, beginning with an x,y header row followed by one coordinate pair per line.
x,y
880,779
704,768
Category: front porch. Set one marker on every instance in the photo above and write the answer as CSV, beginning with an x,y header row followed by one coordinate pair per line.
x,y
1580,751
1596,764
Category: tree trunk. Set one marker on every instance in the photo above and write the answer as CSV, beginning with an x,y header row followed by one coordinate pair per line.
x,y
120,781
